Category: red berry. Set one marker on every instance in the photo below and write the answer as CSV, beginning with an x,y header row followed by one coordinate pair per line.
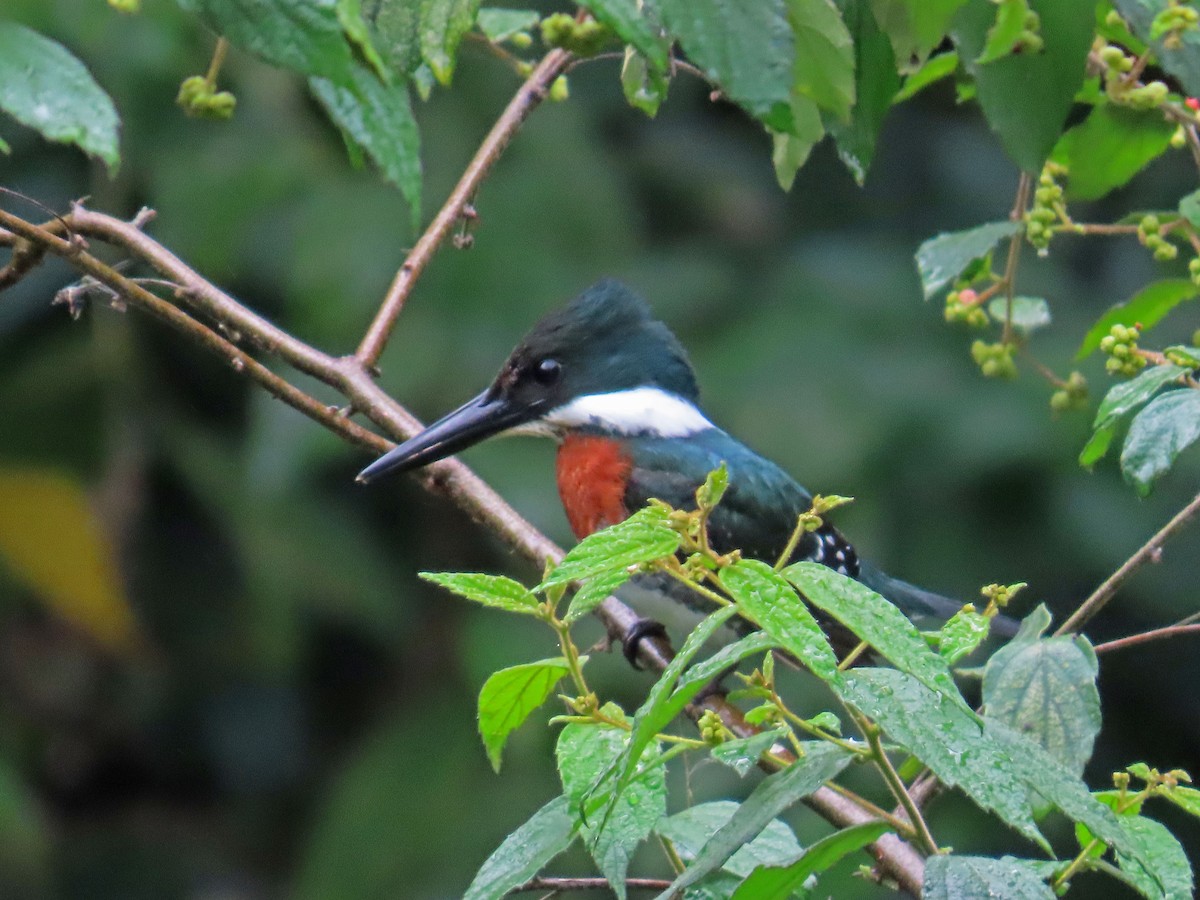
x,y
1192,103
967,296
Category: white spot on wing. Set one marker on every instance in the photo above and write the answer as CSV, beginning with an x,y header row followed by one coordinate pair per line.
x,y
644,410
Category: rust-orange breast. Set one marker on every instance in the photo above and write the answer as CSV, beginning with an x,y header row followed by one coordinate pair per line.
x,y
592,472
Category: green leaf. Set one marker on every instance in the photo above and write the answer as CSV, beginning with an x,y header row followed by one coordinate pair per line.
x,y
1006,33
769,601
942,259
1046,689
644,88
1147,306
378,117
875,84
549,832
962,633
716,483
594,592
771,883
305,36
1169,874
1184,62
823,70
745,46
1028,313
1097,446
510,695
349,13
771,797
629,23
790,149
1186,798
640,538
1109,147
956,877
586,755
690,829
1169,424
490,590
1189,208
915,26
43,86
877,621
948,739
933,70
1026,96
1126,396
498,25
742,754
443,24
396,30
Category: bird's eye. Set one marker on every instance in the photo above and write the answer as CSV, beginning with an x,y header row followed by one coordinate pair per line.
x,y
547,371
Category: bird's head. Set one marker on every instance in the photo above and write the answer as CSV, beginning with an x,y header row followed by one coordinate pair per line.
x,y
602,362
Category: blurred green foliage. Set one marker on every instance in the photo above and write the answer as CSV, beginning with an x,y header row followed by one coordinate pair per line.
x,y
301,718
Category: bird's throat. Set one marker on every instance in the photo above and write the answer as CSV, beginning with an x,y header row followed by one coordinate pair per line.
x,y
592,473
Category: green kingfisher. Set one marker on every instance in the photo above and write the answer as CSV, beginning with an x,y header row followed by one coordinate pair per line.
x,y
614,388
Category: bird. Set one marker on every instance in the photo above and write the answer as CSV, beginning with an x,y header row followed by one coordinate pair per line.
x,y
614,387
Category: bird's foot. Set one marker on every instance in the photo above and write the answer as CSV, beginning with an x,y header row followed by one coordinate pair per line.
x,y
642,628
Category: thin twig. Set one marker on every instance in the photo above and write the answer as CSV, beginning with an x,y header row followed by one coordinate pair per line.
x,y
527,98
1014,252
589,884
1146,553
1146,637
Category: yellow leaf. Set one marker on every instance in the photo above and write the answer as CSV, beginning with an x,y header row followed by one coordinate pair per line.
x,y
50,540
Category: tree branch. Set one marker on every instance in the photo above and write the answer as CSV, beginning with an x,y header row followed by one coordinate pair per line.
x,y
1148,552
1146,637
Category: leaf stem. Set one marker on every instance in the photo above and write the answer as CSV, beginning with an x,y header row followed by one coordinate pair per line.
x,y
894,782
214,65
1014,252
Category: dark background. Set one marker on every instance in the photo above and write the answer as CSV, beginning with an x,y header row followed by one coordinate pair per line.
x,y
303,723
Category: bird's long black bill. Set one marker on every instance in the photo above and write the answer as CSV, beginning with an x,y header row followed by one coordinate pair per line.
x,y
475,420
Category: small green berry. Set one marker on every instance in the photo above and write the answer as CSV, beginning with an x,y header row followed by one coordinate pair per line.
x,y
559,89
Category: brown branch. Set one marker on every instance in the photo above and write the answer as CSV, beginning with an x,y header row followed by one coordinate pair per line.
x,y
1146,637
527,98
1148,552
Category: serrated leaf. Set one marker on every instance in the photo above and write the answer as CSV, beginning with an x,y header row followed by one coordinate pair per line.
x,y
769,601
941,259
877,621
1097,446
715,484
443,24
823,70
933,70
790,149
43,86
490,590
641,538
510,695
1127,396
305,36
742,754
915,27
1186,798
1109,147
594,592
1169,874
955,877
586,755
745,46
1147,307
51,541
378,118
349,13
947,738
549,832
692,827
773,883
498,25
1167,426
1028,313
875,84
630,23
1026,96
772,796
1046,689
962,634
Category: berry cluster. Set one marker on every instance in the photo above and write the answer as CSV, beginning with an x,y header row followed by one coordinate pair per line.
x,y
1121,346
586,38
1150,234
1072,395
1172,22
1122,88
1030,38
963,306
995,360
1047,207
199,98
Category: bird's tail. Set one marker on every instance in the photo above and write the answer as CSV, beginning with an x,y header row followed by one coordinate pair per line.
x,y
925,608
